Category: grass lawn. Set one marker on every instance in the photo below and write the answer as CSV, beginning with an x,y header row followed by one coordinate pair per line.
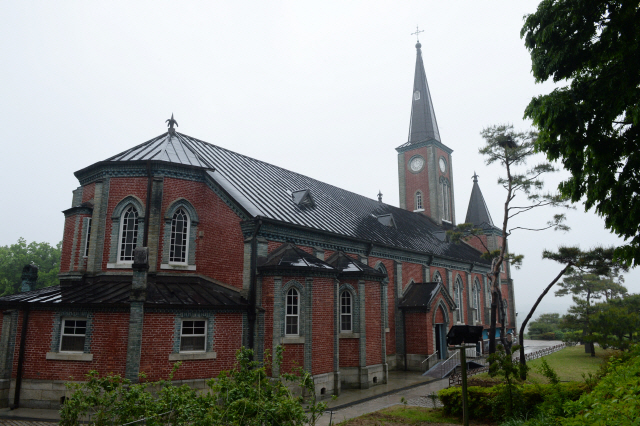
x,y
568,363
400,415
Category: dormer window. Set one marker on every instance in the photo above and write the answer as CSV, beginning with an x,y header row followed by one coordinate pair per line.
x,y
387,220
416,95
302,198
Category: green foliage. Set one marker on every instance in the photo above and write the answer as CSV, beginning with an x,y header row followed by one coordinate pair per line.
x,y
507,402
243,396
546,327
484,402
614,401
615,324
16,256
592,124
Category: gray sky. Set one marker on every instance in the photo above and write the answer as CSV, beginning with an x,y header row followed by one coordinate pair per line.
x,y
322,88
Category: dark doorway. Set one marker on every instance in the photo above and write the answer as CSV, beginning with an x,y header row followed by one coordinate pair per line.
x,y
441,343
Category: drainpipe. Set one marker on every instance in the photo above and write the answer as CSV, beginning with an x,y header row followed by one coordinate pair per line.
x,y
147,208
251,315
23,341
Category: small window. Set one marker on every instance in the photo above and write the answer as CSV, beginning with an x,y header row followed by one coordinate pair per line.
x,y
193,336
419,201
416,95
73,335
293,313
345,312
128,234
87,238
457,292
179,236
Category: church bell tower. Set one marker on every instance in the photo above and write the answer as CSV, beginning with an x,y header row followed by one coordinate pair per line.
x,y
425,168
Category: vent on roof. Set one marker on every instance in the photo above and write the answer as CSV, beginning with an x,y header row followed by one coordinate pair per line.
x,y
387,220
302,198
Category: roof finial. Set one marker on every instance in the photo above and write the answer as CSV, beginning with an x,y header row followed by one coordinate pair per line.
x,y
379,196
417,34
475,177
171,122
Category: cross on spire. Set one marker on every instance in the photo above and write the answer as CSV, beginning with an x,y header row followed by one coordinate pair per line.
x,y
417,34
475,176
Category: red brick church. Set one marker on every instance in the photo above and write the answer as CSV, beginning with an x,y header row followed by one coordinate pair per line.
x,y
181,250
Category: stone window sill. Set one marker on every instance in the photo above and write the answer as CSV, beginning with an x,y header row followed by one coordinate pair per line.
x,y
349,335
178,267
292,340
63,356
418,210
192,356
120,265
386,330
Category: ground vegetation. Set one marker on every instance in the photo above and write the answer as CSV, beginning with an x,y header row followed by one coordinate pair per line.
x,y
14,257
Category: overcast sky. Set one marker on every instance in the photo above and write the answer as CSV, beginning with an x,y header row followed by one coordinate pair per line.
x,y
322,88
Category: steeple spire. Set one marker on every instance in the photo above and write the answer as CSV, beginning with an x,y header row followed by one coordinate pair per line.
x,y
477,212
423,118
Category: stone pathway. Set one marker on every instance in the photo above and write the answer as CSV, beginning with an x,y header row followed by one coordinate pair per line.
x,y
11,422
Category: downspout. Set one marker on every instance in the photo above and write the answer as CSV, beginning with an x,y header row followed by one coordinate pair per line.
x,y
147,206
23,343
251,315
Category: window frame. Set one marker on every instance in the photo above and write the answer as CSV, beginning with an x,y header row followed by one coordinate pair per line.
x,y
288,315
63,334
419,202
204,335
349,314
186,236
136,231
458,298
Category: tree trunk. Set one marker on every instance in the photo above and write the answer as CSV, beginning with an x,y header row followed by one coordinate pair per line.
x,y
523,361
492,328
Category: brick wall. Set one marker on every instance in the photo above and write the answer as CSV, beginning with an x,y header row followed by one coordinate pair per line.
x,y
373,323
108,346
220,251
417,331
293,358
417,181
88,192
391,300
67,243
267,304
158,339
411,271
322,325
349,352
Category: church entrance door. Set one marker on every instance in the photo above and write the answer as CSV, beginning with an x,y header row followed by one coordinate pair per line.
x,y
441,341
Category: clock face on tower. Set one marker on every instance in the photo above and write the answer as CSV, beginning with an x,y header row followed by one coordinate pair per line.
x,y
443,165
416,164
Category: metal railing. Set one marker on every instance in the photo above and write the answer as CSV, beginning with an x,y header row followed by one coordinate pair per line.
x,y
456,378
442,369
429,362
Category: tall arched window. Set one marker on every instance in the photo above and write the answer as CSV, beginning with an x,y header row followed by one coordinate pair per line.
x,y
437,278
446,209
419,205
128,234
292,317
346,310
476,301
179,236
457,296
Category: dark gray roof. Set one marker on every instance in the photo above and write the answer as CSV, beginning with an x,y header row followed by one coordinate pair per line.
x,y
420,296
350,267
292,258
477,212
265,190
423,117
116,290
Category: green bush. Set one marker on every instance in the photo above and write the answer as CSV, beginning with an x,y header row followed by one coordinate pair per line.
x,y
615,400
243,396
484,403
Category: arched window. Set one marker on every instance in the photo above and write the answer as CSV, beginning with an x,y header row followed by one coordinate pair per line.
x,y
475,300
419,205
346,310
457,297
446,210
292,317
437,278
128,234
179,236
